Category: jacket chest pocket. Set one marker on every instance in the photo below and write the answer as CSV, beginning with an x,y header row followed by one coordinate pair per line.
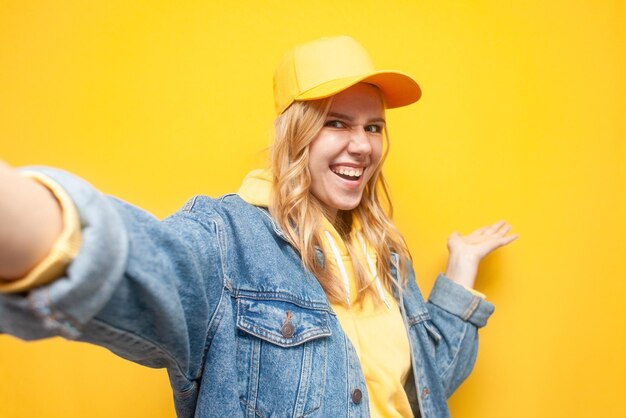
x,y
281,357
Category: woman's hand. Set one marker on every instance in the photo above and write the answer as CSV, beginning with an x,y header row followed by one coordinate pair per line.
x,y
30,222
466,251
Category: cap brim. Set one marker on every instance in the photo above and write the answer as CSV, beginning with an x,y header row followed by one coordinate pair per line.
x,y
398,89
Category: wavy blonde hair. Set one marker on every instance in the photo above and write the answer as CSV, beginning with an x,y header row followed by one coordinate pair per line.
x,y
299,214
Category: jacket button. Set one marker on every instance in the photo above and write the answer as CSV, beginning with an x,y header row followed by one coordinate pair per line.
x,y
287,330
357,395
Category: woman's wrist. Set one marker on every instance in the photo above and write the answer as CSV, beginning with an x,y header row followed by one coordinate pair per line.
x,y
462,269
30,223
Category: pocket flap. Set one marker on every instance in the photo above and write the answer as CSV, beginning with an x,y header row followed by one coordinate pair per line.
x,y
280,322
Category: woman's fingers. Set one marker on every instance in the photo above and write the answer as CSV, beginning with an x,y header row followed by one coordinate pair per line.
x,y
499,229
485,239
503,230
481,231
507,240
504,240
492,229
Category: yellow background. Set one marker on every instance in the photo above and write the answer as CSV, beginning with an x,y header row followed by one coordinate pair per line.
x,y
523,117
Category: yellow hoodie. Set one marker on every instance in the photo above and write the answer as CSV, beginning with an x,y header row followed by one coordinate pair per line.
x,y
376,330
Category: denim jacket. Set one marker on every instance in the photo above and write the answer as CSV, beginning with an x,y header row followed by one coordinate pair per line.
x,y
215,294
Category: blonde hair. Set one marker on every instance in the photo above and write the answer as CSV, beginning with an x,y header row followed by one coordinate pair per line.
x,y
299,214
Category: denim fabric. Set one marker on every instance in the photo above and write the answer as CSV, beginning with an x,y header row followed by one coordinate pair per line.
x,y
215,294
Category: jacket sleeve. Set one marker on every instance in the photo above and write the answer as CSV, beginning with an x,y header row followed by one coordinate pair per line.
x,y
457,314
148,290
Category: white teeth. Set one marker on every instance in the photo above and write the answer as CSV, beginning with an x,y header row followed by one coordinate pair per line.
x,y
352,172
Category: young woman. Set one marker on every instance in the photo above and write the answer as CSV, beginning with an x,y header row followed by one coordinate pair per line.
x,y
294,297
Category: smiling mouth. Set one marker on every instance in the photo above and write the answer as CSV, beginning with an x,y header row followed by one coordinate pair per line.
x,y
348,173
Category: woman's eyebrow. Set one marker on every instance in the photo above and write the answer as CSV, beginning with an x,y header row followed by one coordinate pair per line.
x,y
340,116
351,119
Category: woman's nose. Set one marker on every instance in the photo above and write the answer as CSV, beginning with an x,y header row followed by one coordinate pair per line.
x,y
359,142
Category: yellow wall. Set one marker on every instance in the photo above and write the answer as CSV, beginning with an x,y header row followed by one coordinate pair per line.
x,y
523,117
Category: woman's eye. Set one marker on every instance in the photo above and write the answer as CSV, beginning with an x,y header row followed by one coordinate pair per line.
x,y
335,124
375,129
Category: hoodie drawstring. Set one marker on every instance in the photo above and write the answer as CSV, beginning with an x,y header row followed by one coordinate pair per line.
x,y
342,269
373,271
340,266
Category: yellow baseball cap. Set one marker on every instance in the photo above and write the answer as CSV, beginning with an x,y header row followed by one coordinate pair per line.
x,y
327,66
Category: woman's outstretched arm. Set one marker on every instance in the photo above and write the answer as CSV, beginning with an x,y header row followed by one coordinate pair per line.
x,y
146,289
30,222
458,313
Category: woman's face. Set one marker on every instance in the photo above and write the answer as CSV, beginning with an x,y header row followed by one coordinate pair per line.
x,y
347,150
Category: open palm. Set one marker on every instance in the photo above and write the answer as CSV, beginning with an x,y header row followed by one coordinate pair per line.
x,y
482,241
466,251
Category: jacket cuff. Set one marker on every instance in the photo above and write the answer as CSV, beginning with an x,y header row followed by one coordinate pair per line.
x,y
475,292
66,304
457,300
63,250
